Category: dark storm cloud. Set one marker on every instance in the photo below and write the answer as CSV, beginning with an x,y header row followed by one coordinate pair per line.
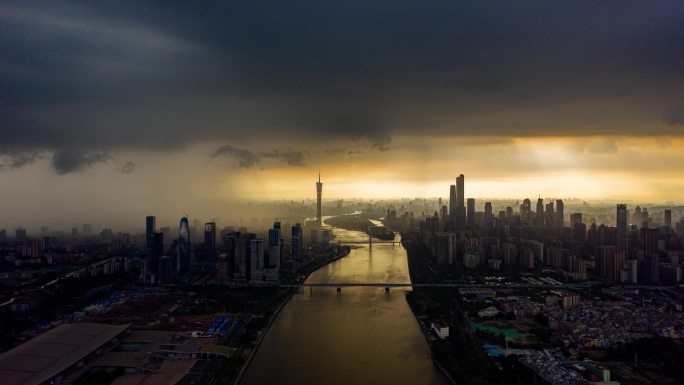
x,y
128,167
70,160
102,76
24,158
245,158
289,156
339,150
21,158
248,158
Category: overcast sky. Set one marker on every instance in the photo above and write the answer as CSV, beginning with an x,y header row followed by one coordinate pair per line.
x,y
116,109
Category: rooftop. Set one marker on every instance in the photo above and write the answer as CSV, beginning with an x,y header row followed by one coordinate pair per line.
x,y
54,351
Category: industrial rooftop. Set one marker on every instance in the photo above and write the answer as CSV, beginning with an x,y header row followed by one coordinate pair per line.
x,y
54,351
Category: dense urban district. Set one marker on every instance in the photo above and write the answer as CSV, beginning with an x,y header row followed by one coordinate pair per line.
x,y
506,292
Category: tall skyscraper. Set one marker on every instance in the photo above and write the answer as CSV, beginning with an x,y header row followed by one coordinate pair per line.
x,y
20,234
452,201
150,228
297,244
550,215
319,193
621,220
540,212
579,232
667,218
579,229
574,219
210,242
649,240
488,215
460,217
257,258
525,210
275,245
183,247
460,191
471,211
155,252
443,217
560,215
231,247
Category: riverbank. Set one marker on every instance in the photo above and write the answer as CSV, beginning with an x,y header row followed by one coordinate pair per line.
x,y
308,270
339,252
245,366
458,356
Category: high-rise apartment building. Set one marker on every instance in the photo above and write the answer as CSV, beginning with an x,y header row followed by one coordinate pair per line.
x,y
452,201
488,215
20,234
150,228
550,215
667,218
275,246
471,211
525,210
460,215
210,242
621,220
560,213
540,212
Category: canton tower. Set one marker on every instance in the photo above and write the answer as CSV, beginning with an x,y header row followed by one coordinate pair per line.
x,y
319,192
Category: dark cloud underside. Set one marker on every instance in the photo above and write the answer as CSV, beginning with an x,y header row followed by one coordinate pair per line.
x,y
69,160
248,158
102,76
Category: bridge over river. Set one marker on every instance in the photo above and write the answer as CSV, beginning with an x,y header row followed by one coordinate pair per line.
x,y
370,242
387,286
393,285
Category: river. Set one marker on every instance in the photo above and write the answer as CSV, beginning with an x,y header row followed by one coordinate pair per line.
x,y
359,336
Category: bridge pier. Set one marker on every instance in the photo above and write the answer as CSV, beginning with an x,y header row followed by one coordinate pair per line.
x,y
387,290
339,290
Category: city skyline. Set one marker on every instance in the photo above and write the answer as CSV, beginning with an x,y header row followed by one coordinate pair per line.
x,y
119,209
342,192
454,206
471,250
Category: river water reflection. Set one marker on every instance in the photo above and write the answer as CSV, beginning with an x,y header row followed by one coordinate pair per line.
x,y
359,336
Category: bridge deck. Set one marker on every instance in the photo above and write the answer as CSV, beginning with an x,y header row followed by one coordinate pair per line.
x,y
364,242
455,285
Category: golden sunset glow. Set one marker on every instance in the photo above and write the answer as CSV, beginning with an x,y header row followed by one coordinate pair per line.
x,y
635,168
